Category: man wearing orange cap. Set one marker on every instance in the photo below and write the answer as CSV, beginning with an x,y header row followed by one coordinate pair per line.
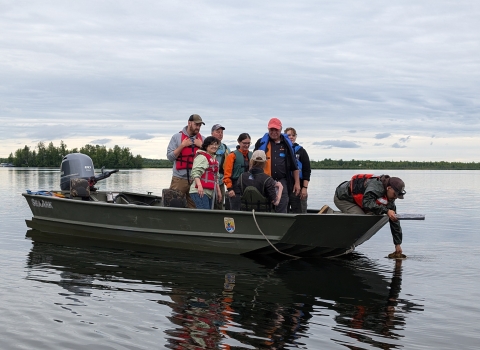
x,y
281,163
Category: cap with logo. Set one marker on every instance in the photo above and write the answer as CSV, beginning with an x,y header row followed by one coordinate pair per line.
x,y
217,126
196,119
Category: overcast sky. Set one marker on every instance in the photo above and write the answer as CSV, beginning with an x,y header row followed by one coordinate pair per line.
x,y
379,80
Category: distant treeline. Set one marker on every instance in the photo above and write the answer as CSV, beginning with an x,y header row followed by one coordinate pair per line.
x,y
395,165
51,156
356,164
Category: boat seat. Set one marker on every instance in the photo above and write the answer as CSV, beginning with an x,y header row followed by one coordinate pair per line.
x,y
173,198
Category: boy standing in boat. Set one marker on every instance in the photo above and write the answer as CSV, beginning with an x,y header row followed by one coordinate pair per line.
x,y
181,150
281,163
298,204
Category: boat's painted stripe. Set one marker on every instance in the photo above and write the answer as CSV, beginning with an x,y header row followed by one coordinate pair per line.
x,y
157,231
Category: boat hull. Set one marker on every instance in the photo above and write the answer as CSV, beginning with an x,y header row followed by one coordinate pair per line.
x,y
229,232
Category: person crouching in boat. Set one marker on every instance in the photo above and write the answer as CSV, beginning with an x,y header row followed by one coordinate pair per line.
x,y
256,189
370,194
205,188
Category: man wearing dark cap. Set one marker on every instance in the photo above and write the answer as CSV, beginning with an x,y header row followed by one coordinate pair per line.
x,y
222,153
371,194
181,151
281,162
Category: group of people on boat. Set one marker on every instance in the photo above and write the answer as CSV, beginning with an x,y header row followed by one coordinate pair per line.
x,y
274,177
210,174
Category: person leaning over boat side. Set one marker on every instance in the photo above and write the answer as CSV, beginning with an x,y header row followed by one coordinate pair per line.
x,y
181,151
281,162
205,175
298,204
236,163
222,152
268,188
370,194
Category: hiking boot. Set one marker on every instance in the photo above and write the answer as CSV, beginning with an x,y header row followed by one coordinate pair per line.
x,y
325,210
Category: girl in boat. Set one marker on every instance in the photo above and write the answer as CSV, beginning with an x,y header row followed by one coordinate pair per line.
x,y
236,164
205,189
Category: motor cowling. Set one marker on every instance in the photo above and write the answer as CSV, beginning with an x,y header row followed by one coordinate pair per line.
x,y
75,166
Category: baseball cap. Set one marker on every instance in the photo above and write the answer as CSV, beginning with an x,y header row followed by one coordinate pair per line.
x,y
398,186
275,123
217,126
196,119
259,156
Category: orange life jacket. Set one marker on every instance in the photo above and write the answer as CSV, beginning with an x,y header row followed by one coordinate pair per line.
x,y
209,177
185,158
358,186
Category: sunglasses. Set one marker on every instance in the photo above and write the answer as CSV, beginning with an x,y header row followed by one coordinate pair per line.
x,y
398,192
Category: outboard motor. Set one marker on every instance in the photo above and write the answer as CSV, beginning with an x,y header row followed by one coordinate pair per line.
x,y
80,166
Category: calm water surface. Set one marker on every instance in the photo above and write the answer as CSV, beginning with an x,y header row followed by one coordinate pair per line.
x,y
63,294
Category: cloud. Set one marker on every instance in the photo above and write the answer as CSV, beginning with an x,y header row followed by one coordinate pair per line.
x,y
404,139
100,141
382,136
378,144
337,143
396,145
81,71
141,136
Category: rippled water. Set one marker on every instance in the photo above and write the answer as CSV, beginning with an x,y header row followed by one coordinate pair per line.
x,y
64,294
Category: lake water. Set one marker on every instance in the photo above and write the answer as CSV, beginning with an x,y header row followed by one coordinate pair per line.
x,y
70,295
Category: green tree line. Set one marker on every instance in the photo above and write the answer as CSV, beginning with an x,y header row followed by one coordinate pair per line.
x,y
121,157
51,156
395,165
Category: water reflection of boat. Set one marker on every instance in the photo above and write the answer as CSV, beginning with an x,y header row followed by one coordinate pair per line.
x,y
235,300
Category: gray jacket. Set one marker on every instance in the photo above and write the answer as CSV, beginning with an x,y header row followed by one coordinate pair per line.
x,y
175,141
374,189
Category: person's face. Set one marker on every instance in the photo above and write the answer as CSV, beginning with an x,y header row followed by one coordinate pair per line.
x,y
212,148
391,194
193,128
218,134
291,136
245,144
274,134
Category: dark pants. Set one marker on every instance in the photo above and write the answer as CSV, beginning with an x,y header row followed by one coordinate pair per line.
x,y
283,205
235,202
297,205
220,205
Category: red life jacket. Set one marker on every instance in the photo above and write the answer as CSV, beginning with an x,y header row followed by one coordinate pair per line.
x,y
358,186
209,177
185,158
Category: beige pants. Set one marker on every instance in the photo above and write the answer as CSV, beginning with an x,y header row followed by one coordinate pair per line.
x,y
183,186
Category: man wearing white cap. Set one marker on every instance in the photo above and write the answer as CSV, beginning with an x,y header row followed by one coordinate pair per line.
x,y
281,162
222,153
